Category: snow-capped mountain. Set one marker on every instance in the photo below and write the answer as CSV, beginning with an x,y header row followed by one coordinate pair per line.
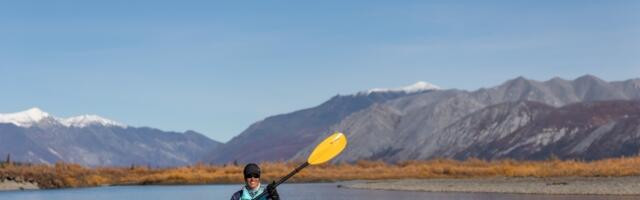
x,y
36,136
413,88
35,115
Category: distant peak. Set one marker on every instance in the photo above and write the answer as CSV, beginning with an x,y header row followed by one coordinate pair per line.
x,y
556,79
520,79
87,120
24,118
420,86
34,115
35,110
588,77
416,87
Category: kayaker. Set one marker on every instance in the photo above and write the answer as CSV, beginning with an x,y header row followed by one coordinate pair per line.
x,y
252,187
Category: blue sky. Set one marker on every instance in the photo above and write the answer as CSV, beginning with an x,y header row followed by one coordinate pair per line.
x,y
216,67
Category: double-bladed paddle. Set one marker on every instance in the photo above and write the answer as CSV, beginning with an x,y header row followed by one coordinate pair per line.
x,y
325,151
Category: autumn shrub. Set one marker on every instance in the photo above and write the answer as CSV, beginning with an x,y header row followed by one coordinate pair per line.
x,y
63,175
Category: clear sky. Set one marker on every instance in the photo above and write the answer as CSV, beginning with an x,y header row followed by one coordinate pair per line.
x,y
217,67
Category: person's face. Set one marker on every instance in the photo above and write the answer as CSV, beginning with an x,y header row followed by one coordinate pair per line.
x,y
252,181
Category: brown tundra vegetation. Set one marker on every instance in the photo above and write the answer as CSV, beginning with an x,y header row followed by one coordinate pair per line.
x,y
65,175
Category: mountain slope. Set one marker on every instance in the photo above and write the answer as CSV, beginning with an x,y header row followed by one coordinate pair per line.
x,y
588,131
482,127
282,136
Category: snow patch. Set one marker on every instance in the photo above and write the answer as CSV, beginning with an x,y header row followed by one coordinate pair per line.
x,y
34,115
54,152
416,87
547,136
25,118
44,161
592,137
87,120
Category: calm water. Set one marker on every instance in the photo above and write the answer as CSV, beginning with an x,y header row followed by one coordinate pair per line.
x,y
287,192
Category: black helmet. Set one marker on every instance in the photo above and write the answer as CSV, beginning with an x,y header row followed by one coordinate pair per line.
x,y
251,170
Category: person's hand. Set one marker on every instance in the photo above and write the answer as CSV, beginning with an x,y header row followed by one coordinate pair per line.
x,y
271,190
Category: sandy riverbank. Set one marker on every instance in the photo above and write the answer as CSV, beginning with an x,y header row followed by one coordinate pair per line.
x,y
561,185
6,184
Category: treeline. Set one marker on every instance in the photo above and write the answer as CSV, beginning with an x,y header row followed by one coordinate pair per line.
x,y
65,175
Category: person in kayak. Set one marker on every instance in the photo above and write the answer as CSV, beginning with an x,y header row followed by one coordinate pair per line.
x,y
252,187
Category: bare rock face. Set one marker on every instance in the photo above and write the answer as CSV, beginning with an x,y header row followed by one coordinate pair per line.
x,y
586,131
482,127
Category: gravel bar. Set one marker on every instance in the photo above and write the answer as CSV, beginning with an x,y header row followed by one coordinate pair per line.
x,y
561,185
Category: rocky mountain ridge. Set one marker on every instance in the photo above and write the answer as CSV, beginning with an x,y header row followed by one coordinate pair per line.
x,y
438,123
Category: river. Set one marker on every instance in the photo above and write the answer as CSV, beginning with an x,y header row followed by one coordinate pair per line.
x,y
308,191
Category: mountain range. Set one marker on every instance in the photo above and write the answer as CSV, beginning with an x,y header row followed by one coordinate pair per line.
x,y
506,121
37,137
585,118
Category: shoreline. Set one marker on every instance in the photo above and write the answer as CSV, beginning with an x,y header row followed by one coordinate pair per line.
x,y
629,185
527,185
12,185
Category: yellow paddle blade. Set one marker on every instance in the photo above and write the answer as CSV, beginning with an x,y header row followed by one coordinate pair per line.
x,y
328,148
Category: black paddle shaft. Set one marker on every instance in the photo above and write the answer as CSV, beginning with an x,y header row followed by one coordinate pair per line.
x,y
285,178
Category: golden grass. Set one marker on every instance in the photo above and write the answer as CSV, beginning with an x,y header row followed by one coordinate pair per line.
x,y
62,175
